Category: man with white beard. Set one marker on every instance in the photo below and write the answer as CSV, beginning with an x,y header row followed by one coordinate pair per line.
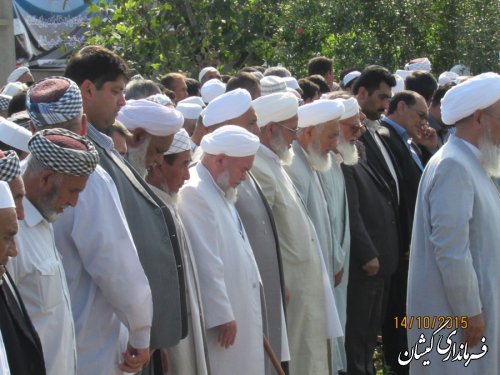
x,y
229,277
454,257
311,307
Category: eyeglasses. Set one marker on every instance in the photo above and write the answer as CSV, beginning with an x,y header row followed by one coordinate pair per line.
x,y
293,131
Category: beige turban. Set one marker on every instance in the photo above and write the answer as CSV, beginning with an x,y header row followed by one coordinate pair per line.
x,y
230,105
6,199
212,89
180,143
463,100
320,111
275,107
230,140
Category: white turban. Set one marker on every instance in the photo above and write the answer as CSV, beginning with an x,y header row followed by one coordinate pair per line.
x,y
205,71
231,140
160,99
402,73
271,84
320,111
400,84
154,118
291,83
189,111
193,100
350,76
461,70
462,100
230,105
17,73
6,200
13,88
422,63
14,135
212,89
180,143
447,77
275,107
351,108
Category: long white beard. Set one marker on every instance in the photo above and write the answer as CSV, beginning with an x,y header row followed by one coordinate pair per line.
x,y
230,193
349,152
319,162
137,157
281,148
490,155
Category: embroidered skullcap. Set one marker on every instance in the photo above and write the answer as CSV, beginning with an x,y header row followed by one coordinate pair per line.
x,y
189,111
400,84
6,199
230,140
447,77
9,166
193,100
230,105
271,84
349,77
161,99
461,70
291,83
17,73
181,143
462,100
402,73
422,63
205,71
78,156
14,135
212,89
154,118
320,111
53,100
275,107
351,108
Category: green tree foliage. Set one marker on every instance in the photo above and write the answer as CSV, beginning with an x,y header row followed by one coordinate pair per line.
x,y
159,36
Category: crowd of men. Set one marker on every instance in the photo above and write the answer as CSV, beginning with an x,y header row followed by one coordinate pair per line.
x,y
249,224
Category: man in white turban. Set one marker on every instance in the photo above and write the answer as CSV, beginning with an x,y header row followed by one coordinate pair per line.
x,y
208,73
454,257
21,74
421,63
229,277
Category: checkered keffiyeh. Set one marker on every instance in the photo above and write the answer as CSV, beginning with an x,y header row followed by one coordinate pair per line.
x,y
9,166
60,159
4,102
180,143
66,108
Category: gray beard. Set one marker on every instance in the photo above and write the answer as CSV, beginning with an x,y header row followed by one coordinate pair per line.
x,y
137,158
349,152
231,194
321,163
280,148
490,155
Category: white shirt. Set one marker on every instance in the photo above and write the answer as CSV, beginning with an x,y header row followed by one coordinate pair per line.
x,y
4,364
39,276
109,291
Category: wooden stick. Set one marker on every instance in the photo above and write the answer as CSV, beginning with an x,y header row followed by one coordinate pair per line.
x,y
276,363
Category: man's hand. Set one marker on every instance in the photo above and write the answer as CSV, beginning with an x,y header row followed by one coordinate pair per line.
x,y
338,277
428,137
227,333
475,329
134,359
371,267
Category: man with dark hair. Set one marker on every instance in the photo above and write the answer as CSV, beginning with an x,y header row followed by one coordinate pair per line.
x,y
245,81
323,66
422,82
310,90
435,121
102,75
193,87
324,86
177,83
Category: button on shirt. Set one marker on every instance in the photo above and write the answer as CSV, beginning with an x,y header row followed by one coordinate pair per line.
x,y
39,276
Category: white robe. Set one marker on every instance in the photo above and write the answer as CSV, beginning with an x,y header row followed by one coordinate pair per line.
x,y
229,277
455,258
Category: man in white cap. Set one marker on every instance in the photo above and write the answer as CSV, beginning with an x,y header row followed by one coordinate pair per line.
x,y
208,73
190,355
212,89
454,258
191,112
229,277
271,84
306,313
421,63
23,351
57,171
21,74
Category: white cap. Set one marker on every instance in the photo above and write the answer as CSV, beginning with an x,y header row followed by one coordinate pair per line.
x,y
230,105
181,143
17,73
275,107
205,71
14,135
212,89
463,100
154,118
6,199
461,70
447,77
272,84
320,111
421,63
400,84
402,73
350,76
230,140
189,111
14,88
291,83
351,108
160,99
193,100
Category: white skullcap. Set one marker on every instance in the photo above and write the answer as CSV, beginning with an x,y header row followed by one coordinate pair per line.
x,y
231,140
350,76
275,107
6,200
351,108
462,100
205,71
189,111
320,111
447,77
14,135
160,99
193,100
17,73
291,83
400,84
212,89
271,84
230,105
14,88
461,70
402,73
154,118
258,75
422,63
181,143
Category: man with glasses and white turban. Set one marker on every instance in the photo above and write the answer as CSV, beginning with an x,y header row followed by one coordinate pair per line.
x,y
57,171
454,257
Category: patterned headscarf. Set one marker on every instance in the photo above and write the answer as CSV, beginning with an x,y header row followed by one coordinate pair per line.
x,y
9,166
